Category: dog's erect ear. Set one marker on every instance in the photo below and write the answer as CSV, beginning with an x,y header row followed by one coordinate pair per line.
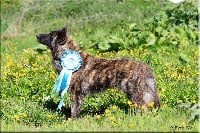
x,y
61,36
64,29
62,33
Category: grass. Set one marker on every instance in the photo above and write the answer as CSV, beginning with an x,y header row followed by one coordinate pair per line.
x,y
20,43
112,119
23,105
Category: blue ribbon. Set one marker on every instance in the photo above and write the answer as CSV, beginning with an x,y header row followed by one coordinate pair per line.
x,y
71,61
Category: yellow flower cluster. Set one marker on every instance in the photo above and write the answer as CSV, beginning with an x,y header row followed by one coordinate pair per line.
x,y
98,116
107,112
133,105
143,107
114,107
20,115
50,116
28,63
112,118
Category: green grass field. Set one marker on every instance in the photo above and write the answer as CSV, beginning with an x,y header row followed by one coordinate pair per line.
x,y
159,33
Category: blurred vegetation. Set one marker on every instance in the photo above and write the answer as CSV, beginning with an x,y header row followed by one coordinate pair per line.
x,y
22,17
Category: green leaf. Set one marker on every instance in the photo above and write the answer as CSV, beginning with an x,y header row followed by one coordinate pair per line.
x,y
164,32
185,105
184,41
151,40
104,46
192,34
40,48
132,26
196,106
159,29
180,30
183,57
195,115
113,39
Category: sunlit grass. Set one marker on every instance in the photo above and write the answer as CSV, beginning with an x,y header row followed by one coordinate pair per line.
x,y
113,119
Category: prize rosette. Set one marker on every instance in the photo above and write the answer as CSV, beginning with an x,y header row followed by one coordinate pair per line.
x,y
71,61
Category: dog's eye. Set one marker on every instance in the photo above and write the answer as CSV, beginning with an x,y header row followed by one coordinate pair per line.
x,y
50,38
53,33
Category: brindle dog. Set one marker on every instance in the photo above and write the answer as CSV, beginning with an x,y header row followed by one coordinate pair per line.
x,y
136,79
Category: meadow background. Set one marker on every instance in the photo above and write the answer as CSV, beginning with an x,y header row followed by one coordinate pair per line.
x,y
159,33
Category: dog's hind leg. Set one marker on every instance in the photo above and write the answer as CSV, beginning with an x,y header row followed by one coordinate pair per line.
x,y
135,92
143,91
151,94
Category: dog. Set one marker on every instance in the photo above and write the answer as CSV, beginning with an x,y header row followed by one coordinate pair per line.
x,y
135,78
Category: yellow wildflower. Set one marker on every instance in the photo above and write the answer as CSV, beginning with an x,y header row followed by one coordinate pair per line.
x,y
130,125
88,116
58,126
112,90
23,115
135,105
98,116
143,107
50,116
114,107
52,75
112,118
69,119
30,84
129,102
194,101
175,74
183,124
159,77
151,104
16,117
107,111
180,101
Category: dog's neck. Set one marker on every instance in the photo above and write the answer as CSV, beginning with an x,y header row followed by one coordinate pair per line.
x,y
71,45
60,48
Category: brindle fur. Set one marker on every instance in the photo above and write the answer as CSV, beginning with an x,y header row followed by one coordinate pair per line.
x,y
134,78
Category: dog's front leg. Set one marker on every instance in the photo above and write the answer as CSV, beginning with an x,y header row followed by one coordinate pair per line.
x,y
76,102
73,106
57,65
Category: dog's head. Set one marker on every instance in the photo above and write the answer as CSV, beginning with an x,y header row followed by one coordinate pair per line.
x,y
54,38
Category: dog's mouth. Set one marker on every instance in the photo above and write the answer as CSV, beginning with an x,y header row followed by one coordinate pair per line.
x,y
42,39
38,38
